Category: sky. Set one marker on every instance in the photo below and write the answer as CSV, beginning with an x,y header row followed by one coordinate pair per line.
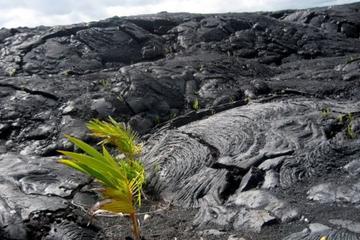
x,y
30,13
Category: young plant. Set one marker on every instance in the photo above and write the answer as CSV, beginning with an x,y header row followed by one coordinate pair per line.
x,y
122,180
106,84
349,129
195,104
325,112
347,120
157,120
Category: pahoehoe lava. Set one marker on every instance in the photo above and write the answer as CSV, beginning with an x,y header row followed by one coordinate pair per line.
x,y
250,123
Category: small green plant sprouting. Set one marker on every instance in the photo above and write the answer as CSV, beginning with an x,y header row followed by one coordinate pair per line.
x,y
12,72
156,168
195,104
349,129
325,112
105,83
348,120
120,98
157,120
173,115
122,180
341,118
352,59
67,72
350,132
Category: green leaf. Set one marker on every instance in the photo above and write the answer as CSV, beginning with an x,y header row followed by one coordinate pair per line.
x,y
72,165
102,171
84,146
108,158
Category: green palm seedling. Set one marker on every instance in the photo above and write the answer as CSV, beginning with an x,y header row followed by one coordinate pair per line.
x,y
122,180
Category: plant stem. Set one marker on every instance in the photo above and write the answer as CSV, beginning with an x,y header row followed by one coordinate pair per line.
x,y
135,226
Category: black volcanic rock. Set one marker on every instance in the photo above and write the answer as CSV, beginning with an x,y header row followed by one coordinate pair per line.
x,y
250,123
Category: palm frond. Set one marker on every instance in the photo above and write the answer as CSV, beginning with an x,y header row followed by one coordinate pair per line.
x,y
136,187
116,205
118,134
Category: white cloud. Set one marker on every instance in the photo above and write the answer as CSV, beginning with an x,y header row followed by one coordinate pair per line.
x,y
14,13
28,17
199,6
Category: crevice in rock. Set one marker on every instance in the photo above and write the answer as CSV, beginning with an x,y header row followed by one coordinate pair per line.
x,y
356,59
256,161
298,92
132,35
78,188
233,179
234,173
58,33
127,105
214,152
230,168
5,131
196,115
33,92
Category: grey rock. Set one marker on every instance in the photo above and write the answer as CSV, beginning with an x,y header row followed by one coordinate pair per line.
x,y
217,215
102,108
72,126
350,225
69,231
42,131
331,193
258,199
318,227
353,167
271,180
324,193
235,237
327,233
141,123
272,163
30,185
260,87
69,107
252,220
213,232
350,30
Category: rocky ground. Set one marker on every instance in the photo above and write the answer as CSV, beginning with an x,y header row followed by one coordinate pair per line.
x,y
250,124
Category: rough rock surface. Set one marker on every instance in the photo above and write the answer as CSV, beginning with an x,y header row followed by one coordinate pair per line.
x,y
250,123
